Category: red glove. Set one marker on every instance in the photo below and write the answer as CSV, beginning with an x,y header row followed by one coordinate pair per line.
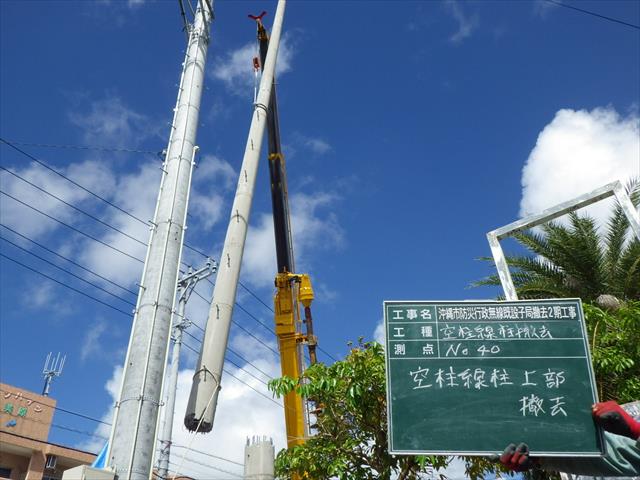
x,y
612,417
517,458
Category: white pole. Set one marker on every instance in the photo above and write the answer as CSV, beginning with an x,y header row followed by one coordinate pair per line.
x,y
172,381
133,434
186,287
206,381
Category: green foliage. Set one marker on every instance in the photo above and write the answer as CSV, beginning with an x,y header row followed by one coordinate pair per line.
x,y
351,433
615,349
576,261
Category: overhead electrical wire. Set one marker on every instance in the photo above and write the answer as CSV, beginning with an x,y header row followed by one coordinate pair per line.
x,y
176,474
68,260
238,378
66,286
594,14
71,227
238,355
81,147
93,217
40,162
258,339
174,445
43,164
113,248
229,360
64,427
13,145
121,311
69,272
55,407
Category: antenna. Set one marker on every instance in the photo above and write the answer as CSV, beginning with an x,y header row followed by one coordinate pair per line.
x,y
52,368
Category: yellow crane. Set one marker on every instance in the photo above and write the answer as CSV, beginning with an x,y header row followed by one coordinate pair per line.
x,y
293,290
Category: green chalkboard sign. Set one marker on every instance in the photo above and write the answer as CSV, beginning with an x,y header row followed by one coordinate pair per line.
x,y
469,378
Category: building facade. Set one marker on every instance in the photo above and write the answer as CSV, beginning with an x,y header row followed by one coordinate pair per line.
x,y
25,452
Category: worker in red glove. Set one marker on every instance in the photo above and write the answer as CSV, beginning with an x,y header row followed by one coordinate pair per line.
x,y
622,438
612,418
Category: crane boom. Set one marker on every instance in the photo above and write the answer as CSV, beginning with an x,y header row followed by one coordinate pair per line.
x,y
291,289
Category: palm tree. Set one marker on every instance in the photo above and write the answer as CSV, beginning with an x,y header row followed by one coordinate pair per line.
x,y
575,261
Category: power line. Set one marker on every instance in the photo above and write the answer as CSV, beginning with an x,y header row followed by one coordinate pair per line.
x,y
128,314
267,327
173,445
63,427
271,310
82,415
68,259
69,272
176,474
71,227
258,339
191,460
82,147
240,356
99,197
137,240
93,217
588,12
228,360
140,261
255,296
237,378
40,162
115,308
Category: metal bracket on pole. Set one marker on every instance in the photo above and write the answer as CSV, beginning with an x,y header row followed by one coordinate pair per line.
x,y
612,189
189,280
186,285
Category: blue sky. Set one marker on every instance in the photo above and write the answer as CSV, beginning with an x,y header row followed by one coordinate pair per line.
x,y
410,130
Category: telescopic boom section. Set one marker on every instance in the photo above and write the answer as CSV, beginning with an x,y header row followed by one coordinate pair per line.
x,y
206,382
291,289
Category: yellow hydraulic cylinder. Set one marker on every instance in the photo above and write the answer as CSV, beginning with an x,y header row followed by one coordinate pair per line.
x,y
286,313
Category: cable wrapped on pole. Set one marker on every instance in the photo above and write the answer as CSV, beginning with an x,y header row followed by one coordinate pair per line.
x,y
206,381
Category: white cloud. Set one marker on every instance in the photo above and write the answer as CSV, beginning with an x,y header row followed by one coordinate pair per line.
x,y
577,152
136,193
213,178
34,224
466,24
102,432
241,413
379,334
235,69
91,343
309,222
541,8
315,145
110,122
213,169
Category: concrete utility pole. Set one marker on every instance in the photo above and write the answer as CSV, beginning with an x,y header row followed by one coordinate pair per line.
x,y
259,459
134,430
206,382
186,285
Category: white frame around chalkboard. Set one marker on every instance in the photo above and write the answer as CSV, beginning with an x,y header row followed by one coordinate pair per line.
x,y
594,390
